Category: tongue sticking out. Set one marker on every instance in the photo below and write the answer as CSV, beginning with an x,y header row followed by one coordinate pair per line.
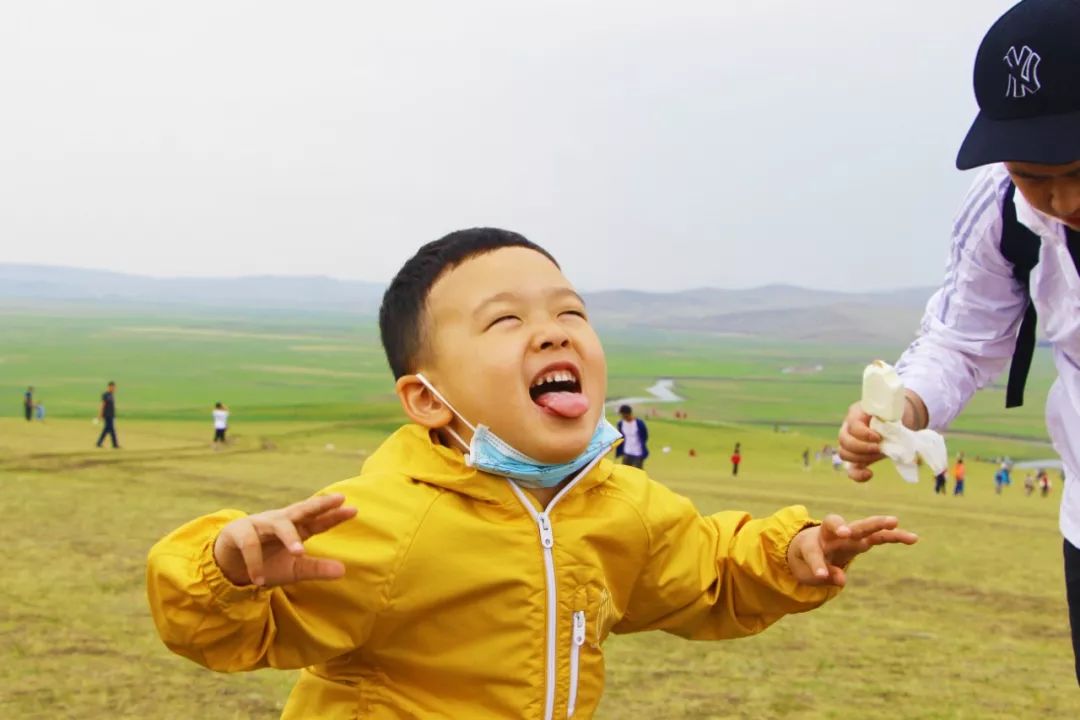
x,y
564,404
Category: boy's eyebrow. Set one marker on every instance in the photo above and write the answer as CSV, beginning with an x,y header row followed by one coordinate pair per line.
x,y
505,296
508,296
566,292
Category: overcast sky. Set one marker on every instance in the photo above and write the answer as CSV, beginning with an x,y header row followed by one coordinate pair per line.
x,y
656,145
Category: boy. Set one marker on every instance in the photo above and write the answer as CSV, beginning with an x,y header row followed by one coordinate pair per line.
x,y
634,448
1024,204
482,584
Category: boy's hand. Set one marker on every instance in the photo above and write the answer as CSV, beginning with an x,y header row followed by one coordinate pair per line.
x,y
818,555
859,444
267,549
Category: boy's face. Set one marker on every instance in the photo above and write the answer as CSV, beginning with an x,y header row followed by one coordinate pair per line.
x,y
1051,189
496,325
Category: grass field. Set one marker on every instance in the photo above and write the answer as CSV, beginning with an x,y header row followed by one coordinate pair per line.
x,y
970,623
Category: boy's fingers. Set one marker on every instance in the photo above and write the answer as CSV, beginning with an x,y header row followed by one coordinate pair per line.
x,y
868,526
858,451
857,425
329,519
286,532
835,527
837,576
309,568
859,473
313,506
883,537
247,540
814,557
859,438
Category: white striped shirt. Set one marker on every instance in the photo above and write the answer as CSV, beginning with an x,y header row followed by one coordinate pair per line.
x,y
969,329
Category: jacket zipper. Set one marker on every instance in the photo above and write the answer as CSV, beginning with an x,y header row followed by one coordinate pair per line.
x,y
547,542
577,640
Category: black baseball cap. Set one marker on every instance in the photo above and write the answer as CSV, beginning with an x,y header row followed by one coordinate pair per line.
x,y
1027,84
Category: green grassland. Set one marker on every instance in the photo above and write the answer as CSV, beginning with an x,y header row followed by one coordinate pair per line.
x,y
969,623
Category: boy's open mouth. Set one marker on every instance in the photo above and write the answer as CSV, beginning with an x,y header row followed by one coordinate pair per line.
x,y
557,389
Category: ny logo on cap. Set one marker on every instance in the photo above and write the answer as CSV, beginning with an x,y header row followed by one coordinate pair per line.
x,y
1023,72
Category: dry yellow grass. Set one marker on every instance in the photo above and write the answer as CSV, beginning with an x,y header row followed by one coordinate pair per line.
x,y
970,623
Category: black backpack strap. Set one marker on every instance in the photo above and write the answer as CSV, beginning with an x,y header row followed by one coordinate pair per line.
x,y
1020,246
1072,238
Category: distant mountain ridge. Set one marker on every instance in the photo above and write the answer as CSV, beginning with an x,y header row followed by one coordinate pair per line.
x,y
778,311
43,282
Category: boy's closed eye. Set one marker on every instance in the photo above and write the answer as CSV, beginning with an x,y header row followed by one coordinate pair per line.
x,y
502,319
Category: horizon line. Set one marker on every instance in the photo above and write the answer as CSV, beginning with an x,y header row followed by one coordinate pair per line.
x,y
384,283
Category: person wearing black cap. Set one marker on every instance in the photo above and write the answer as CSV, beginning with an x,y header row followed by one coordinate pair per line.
x,y
1014,256
634,448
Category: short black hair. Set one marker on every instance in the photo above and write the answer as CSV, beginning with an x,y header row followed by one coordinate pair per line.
x,y
626,410
401,315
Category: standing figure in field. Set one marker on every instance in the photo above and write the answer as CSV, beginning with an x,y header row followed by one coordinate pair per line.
x,y
634,448
959,474
28,403
939,482
221,422
1001,479
107,414
736,460
1044,483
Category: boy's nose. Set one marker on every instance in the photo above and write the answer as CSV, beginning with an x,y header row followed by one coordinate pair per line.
x,y
551,336
1066,200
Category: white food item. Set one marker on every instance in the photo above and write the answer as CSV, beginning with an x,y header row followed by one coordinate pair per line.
x,y
882,392
904,447
883,399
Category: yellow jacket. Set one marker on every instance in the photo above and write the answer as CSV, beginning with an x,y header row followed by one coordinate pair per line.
x,y
462,599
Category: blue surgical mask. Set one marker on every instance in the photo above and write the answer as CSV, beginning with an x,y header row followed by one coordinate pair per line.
x,y
490,453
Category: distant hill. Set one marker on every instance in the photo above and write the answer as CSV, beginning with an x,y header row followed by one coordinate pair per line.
x,y
776,311
40,282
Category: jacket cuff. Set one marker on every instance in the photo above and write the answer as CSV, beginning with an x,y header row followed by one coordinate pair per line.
x,y
939,413
778,537
223,592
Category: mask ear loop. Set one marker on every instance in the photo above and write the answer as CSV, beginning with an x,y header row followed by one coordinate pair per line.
x,y
424,381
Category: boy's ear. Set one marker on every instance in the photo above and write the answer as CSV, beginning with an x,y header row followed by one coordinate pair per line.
x,y
421,405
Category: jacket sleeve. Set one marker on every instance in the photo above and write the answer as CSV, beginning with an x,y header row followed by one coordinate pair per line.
x,y
715,577
619,446
969,329
201,615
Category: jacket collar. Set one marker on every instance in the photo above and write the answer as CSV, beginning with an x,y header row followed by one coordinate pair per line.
x,y
412,451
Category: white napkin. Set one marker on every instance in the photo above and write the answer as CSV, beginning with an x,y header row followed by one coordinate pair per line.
x,y
904,446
